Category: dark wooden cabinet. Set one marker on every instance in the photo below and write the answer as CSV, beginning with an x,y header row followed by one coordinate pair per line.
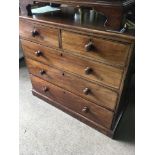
x,y
82,69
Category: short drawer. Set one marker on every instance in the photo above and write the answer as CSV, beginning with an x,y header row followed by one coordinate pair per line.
x,y
97,48
79,105
41,34
97,72
88,90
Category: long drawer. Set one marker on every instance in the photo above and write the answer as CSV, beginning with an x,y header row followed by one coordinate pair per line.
x,y
90,70
88,90
41,34
96,48
79,105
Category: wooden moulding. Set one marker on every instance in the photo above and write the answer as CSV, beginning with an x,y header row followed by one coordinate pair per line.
x,y
115,11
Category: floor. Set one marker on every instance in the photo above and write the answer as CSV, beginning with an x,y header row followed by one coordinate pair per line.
x,y
45,130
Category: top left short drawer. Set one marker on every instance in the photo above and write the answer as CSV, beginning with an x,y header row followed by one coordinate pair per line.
x,y
38,33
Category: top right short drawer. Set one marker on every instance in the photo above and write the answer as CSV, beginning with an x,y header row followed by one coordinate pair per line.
x,y
103,50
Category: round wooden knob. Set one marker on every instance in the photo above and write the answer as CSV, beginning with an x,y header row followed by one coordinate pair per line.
x,y
38,53
86,91
42,72
85,109
45,89
88,70
34,33
89,46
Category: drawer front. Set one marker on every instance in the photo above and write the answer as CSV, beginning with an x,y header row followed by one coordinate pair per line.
x,y
97,72
92,71
41,34
88,90
96,48
73,102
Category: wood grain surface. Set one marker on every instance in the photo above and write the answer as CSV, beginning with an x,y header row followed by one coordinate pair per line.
x,y
94,112
101,73
96,93
104,50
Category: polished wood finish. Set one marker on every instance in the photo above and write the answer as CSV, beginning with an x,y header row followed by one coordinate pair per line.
x,y
88,70
83,119
35,32
38,33
38,53
101,73
75,62
45,89
88,90
42,72
85,109
96,48
73,102
89,46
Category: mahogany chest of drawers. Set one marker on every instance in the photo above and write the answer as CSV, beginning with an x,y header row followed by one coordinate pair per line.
x,y
82,71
